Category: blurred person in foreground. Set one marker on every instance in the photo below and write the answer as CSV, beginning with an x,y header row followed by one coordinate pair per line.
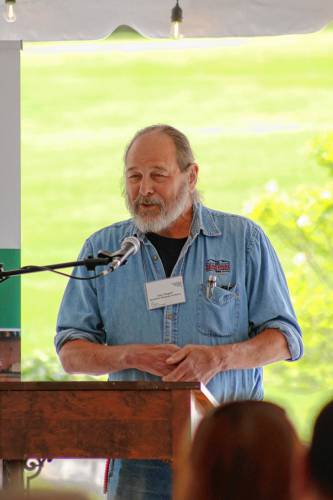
x,y
321,454
204,298
243,450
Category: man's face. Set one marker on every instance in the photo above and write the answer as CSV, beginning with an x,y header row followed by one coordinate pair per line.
x,y
157,192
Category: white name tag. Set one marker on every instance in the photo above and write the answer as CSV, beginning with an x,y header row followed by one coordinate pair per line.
x,y
165,292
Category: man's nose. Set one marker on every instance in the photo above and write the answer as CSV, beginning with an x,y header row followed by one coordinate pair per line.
x,y
146,186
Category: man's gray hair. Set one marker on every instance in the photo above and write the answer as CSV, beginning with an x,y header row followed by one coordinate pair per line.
x,y
184,153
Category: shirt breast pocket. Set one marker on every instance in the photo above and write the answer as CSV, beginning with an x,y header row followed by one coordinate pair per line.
x,y
218,316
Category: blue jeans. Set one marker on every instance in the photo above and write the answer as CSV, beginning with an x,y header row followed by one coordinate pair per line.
x,y
140,480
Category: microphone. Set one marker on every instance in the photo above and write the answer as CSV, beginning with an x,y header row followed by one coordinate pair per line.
x,y
128,247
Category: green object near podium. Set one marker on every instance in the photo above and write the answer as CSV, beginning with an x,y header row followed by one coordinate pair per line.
x,y
10,318
10,292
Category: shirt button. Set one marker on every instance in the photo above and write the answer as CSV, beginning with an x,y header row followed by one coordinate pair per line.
x,y
155,258
169,316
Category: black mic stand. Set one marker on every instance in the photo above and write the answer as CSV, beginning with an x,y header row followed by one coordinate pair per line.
x,y
90,263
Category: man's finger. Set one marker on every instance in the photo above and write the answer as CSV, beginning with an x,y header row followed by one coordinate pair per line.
x,y
177,357
175,375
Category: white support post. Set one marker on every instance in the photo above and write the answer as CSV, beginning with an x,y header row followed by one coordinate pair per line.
x,y
10,208
10,205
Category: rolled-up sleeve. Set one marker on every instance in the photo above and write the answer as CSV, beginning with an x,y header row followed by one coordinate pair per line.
x,y
79,316
269,302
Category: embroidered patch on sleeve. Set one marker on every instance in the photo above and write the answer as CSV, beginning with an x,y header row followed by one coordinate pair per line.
x,y
218,266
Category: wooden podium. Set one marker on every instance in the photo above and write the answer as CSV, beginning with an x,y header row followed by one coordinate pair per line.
x,y
49,420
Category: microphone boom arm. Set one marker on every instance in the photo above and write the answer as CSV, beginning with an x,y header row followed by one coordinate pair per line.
x,y
116,259
90,263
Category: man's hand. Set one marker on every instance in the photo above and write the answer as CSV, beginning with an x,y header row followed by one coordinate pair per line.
x,y
82,356
151,358
197,363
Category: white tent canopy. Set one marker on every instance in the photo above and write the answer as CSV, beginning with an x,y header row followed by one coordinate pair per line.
x,y
46,20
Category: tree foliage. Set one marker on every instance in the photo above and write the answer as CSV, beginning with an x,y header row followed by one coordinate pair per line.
x,y
303,222
322,150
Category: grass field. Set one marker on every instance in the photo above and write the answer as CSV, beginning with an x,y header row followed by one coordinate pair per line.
x,y
249,107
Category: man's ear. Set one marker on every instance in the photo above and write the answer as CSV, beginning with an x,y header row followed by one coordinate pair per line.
x,y
193,175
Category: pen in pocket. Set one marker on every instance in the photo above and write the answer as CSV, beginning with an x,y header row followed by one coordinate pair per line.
x,y
211,284
228,287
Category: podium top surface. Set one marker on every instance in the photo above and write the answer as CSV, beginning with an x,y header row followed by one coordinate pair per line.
x,y
100,386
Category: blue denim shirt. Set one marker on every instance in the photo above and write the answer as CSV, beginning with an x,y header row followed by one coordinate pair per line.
x,y
251,295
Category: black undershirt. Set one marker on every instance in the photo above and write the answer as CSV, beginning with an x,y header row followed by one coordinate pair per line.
x,y
168,249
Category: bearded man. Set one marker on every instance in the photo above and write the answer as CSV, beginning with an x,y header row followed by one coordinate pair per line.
x,y
234,314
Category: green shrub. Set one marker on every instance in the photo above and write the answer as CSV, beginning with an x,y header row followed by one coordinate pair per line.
x,y
322,150
304,225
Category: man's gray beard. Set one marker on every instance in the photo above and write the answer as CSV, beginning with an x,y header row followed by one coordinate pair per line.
x,y
157,223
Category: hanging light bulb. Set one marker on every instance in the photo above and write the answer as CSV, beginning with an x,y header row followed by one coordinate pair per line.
x,y
176,19
9,11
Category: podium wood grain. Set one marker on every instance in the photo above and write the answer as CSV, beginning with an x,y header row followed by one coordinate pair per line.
x,y
97,419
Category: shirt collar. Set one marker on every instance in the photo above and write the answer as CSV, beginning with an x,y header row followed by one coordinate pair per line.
x,y
133,230
203,221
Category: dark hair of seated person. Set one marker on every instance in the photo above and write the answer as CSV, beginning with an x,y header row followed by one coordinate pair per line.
x,y
243,450
321,452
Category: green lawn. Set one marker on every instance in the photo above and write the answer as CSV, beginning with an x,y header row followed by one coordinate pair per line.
x,y
250,108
